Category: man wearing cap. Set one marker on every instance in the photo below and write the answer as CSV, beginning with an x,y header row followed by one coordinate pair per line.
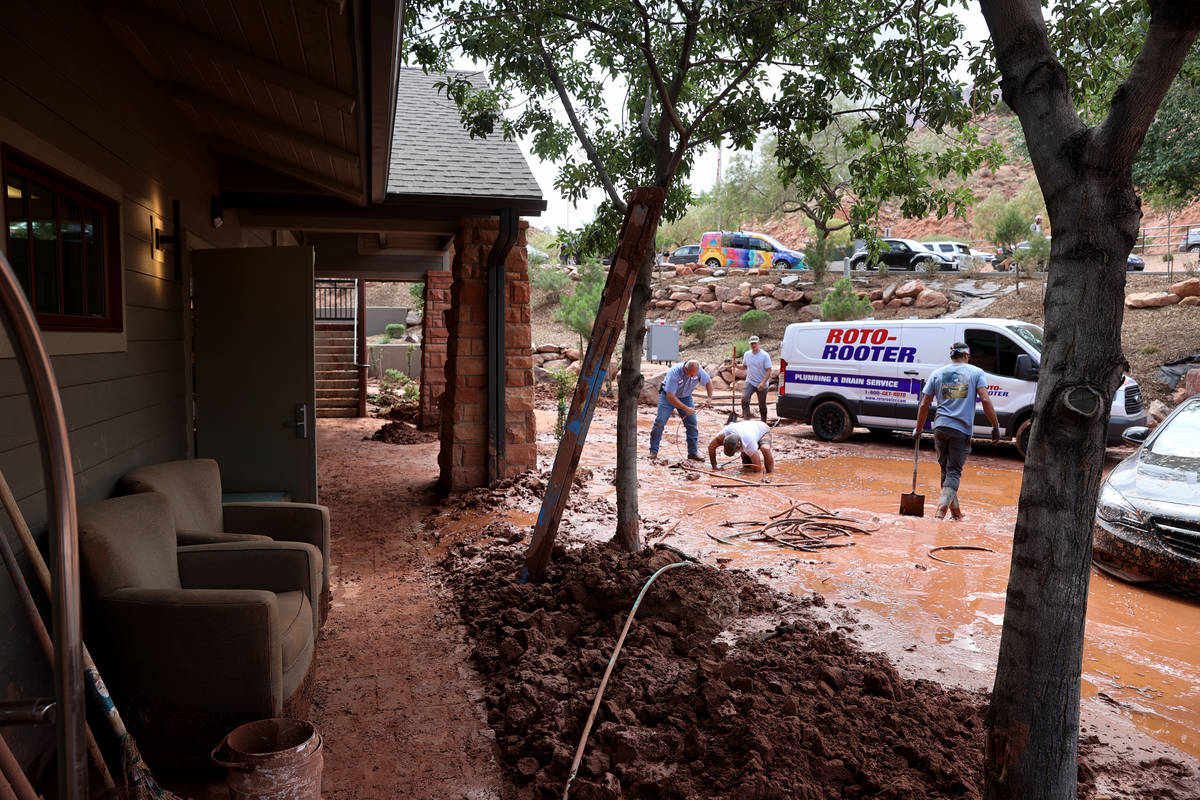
x,y
675,396
758,375
955,387
751,437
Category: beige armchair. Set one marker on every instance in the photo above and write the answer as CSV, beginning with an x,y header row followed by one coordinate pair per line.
x,y
199,639
194,488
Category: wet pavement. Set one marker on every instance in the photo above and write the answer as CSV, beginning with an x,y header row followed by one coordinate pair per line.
x,y
935,620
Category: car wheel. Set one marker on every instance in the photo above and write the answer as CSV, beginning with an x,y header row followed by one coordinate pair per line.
x,y
712,263
1022,437
920,264
831,422
1195,248
781,264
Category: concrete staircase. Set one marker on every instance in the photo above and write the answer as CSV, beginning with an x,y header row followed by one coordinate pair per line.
x,y
336,375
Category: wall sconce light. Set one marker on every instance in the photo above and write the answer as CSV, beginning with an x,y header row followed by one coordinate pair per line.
x,y
174,240
216,211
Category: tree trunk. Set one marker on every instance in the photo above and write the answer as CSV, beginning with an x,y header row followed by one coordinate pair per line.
x,y
1033,721
629,389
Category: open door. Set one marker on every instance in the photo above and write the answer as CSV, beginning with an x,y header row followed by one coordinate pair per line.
x,y
253,349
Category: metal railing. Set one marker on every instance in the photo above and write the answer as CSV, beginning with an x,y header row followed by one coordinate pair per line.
x,y
335,298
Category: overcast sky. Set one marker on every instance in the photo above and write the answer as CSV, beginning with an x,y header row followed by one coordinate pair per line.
x,y
562,214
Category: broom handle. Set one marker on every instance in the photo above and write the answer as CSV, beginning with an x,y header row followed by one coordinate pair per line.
x,y
91,674
43,637
916,452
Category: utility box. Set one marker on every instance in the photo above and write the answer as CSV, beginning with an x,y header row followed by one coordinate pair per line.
x,y
662,341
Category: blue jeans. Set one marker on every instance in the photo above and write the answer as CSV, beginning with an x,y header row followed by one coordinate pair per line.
x,y
952,448
665,409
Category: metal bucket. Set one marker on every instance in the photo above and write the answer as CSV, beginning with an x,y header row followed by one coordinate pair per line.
x,y
272,759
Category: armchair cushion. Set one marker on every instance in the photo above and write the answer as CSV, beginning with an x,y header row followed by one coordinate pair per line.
x,y
193,486
278,567
129,541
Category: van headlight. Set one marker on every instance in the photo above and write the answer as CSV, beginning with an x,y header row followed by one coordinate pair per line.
x,y
1113,507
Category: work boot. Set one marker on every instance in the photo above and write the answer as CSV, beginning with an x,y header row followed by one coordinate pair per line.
x,y
695,457
654,455
948,502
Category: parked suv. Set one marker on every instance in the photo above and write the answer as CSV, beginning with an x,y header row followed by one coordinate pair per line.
x,y
744,249
688,254
1191,244
902,254
956,250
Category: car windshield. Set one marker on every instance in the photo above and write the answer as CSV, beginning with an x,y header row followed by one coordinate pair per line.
x,y
1030,334
1181,437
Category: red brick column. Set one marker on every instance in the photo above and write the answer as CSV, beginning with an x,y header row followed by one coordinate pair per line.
x,y
434,336
463,456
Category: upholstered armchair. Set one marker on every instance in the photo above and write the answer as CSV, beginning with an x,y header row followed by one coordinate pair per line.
x,y
194,488
199,639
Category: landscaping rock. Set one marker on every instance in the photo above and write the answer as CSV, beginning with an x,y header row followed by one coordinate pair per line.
x,y
413,318
788,295
685,307
726,293
900,302
732,308
767,304
742,301
680,296
809,295
652,376
572,353
931,298
548,348
1187,288
720,273
1188,386
788,280
889,292
663,304
682,269
768,290
809,313
557,363
744,289
708,306
877,304
1193,300
1151,299
1157,412
910,288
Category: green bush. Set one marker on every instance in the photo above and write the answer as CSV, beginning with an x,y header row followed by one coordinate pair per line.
x,y
755,322
394,330
394,379
842,302
578,310
697,325
417,292
550,281
740,346
564,383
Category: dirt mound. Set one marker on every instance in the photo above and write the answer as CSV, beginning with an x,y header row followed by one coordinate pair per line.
x,y
402,433
793,711
723,689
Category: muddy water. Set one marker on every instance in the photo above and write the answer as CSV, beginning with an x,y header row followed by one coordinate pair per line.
x,y
936,619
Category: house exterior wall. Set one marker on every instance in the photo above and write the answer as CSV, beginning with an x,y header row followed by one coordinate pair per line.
x,y
463,456
72,97
434,340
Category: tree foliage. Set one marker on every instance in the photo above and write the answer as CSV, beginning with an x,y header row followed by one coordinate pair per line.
x,y
578,309
1167,169
842,302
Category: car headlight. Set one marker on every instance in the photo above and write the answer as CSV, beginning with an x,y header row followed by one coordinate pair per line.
x,y
1113,507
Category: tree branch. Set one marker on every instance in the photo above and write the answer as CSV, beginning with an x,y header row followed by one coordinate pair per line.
x,y
1173,29
586,141
668,101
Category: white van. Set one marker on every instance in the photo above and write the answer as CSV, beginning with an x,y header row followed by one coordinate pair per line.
x,y
842,375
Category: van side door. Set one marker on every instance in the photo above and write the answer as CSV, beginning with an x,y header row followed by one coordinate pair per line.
x,y
996,353
926,346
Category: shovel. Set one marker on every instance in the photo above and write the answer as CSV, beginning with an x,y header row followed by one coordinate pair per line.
x,y
913,504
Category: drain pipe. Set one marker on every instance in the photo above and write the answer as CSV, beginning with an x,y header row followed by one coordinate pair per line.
x,y
497,303
38,373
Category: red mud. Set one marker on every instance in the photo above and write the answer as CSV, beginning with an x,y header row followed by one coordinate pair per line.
x,y
724,688
402,433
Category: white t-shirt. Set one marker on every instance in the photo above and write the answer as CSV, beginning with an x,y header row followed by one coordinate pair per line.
x,y
750,431
758,367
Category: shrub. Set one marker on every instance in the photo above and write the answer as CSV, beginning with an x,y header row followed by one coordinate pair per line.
x,y
578,310
740,346
394,379
697,325
755,322
394,330
417,292
550,281
564,382
842,302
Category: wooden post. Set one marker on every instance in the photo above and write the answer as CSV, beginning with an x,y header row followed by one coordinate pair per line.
x,y
360,349
637,239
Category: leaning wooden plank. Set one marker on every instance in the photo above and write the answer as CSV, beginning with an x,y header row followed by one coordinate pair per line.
x,y
636,244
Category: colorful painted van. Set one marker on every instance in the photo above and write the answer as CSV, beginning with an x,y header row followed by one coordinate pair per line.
x,y
745,249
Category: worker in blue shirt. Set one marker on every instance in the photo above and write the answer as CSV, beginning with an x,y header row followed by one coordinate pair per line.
x,y
675,396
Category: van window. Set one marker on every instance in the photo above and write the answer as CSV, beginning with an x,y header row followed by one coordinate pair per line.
x,y
992,352
761,244
742,242
1030,334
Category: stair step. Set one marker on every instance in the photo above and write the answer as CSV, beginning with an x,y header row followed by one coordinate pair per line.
x,y
337,383
337,402
323,358
328,413
341,392
346,351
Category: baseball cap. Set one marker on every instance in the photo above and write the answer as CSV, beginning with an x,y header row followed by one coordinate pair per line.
x,y
753,338
959,348
732,443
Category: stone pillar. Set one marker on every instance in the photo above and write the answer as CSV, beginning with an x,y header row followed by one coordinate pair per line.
x,y
463,456
434,336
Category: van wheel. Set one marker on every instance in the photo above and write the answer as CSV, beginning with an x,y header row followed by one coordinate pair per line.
x,y
781,264
712,263
1022,437
831,422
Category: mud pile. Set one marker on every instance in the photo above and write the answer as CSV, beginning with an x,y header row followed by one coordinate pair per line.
x,y
792,709
402,433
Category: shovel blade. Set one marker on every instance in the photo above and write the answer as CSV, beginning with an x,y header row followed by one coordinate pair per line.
x,y
912,504
732,418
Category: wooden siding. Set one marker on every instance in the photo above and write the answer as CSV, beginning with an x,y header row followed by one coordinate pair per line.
x,y
68,83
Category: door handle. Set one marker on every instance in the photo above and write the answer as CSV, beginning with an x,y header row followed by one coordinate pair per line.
x,y
299,421
911,372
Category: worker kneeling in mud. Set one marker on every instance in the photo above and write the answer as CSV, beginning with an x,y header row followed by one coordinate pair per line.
x,y
751,438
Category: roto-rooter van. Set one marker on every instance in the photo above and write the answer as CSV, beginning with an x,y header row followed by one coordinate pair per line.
x,y
843,375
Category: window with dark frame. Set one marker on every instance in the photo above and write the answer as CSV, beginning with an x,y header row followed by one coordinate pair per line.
x,y
63,242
